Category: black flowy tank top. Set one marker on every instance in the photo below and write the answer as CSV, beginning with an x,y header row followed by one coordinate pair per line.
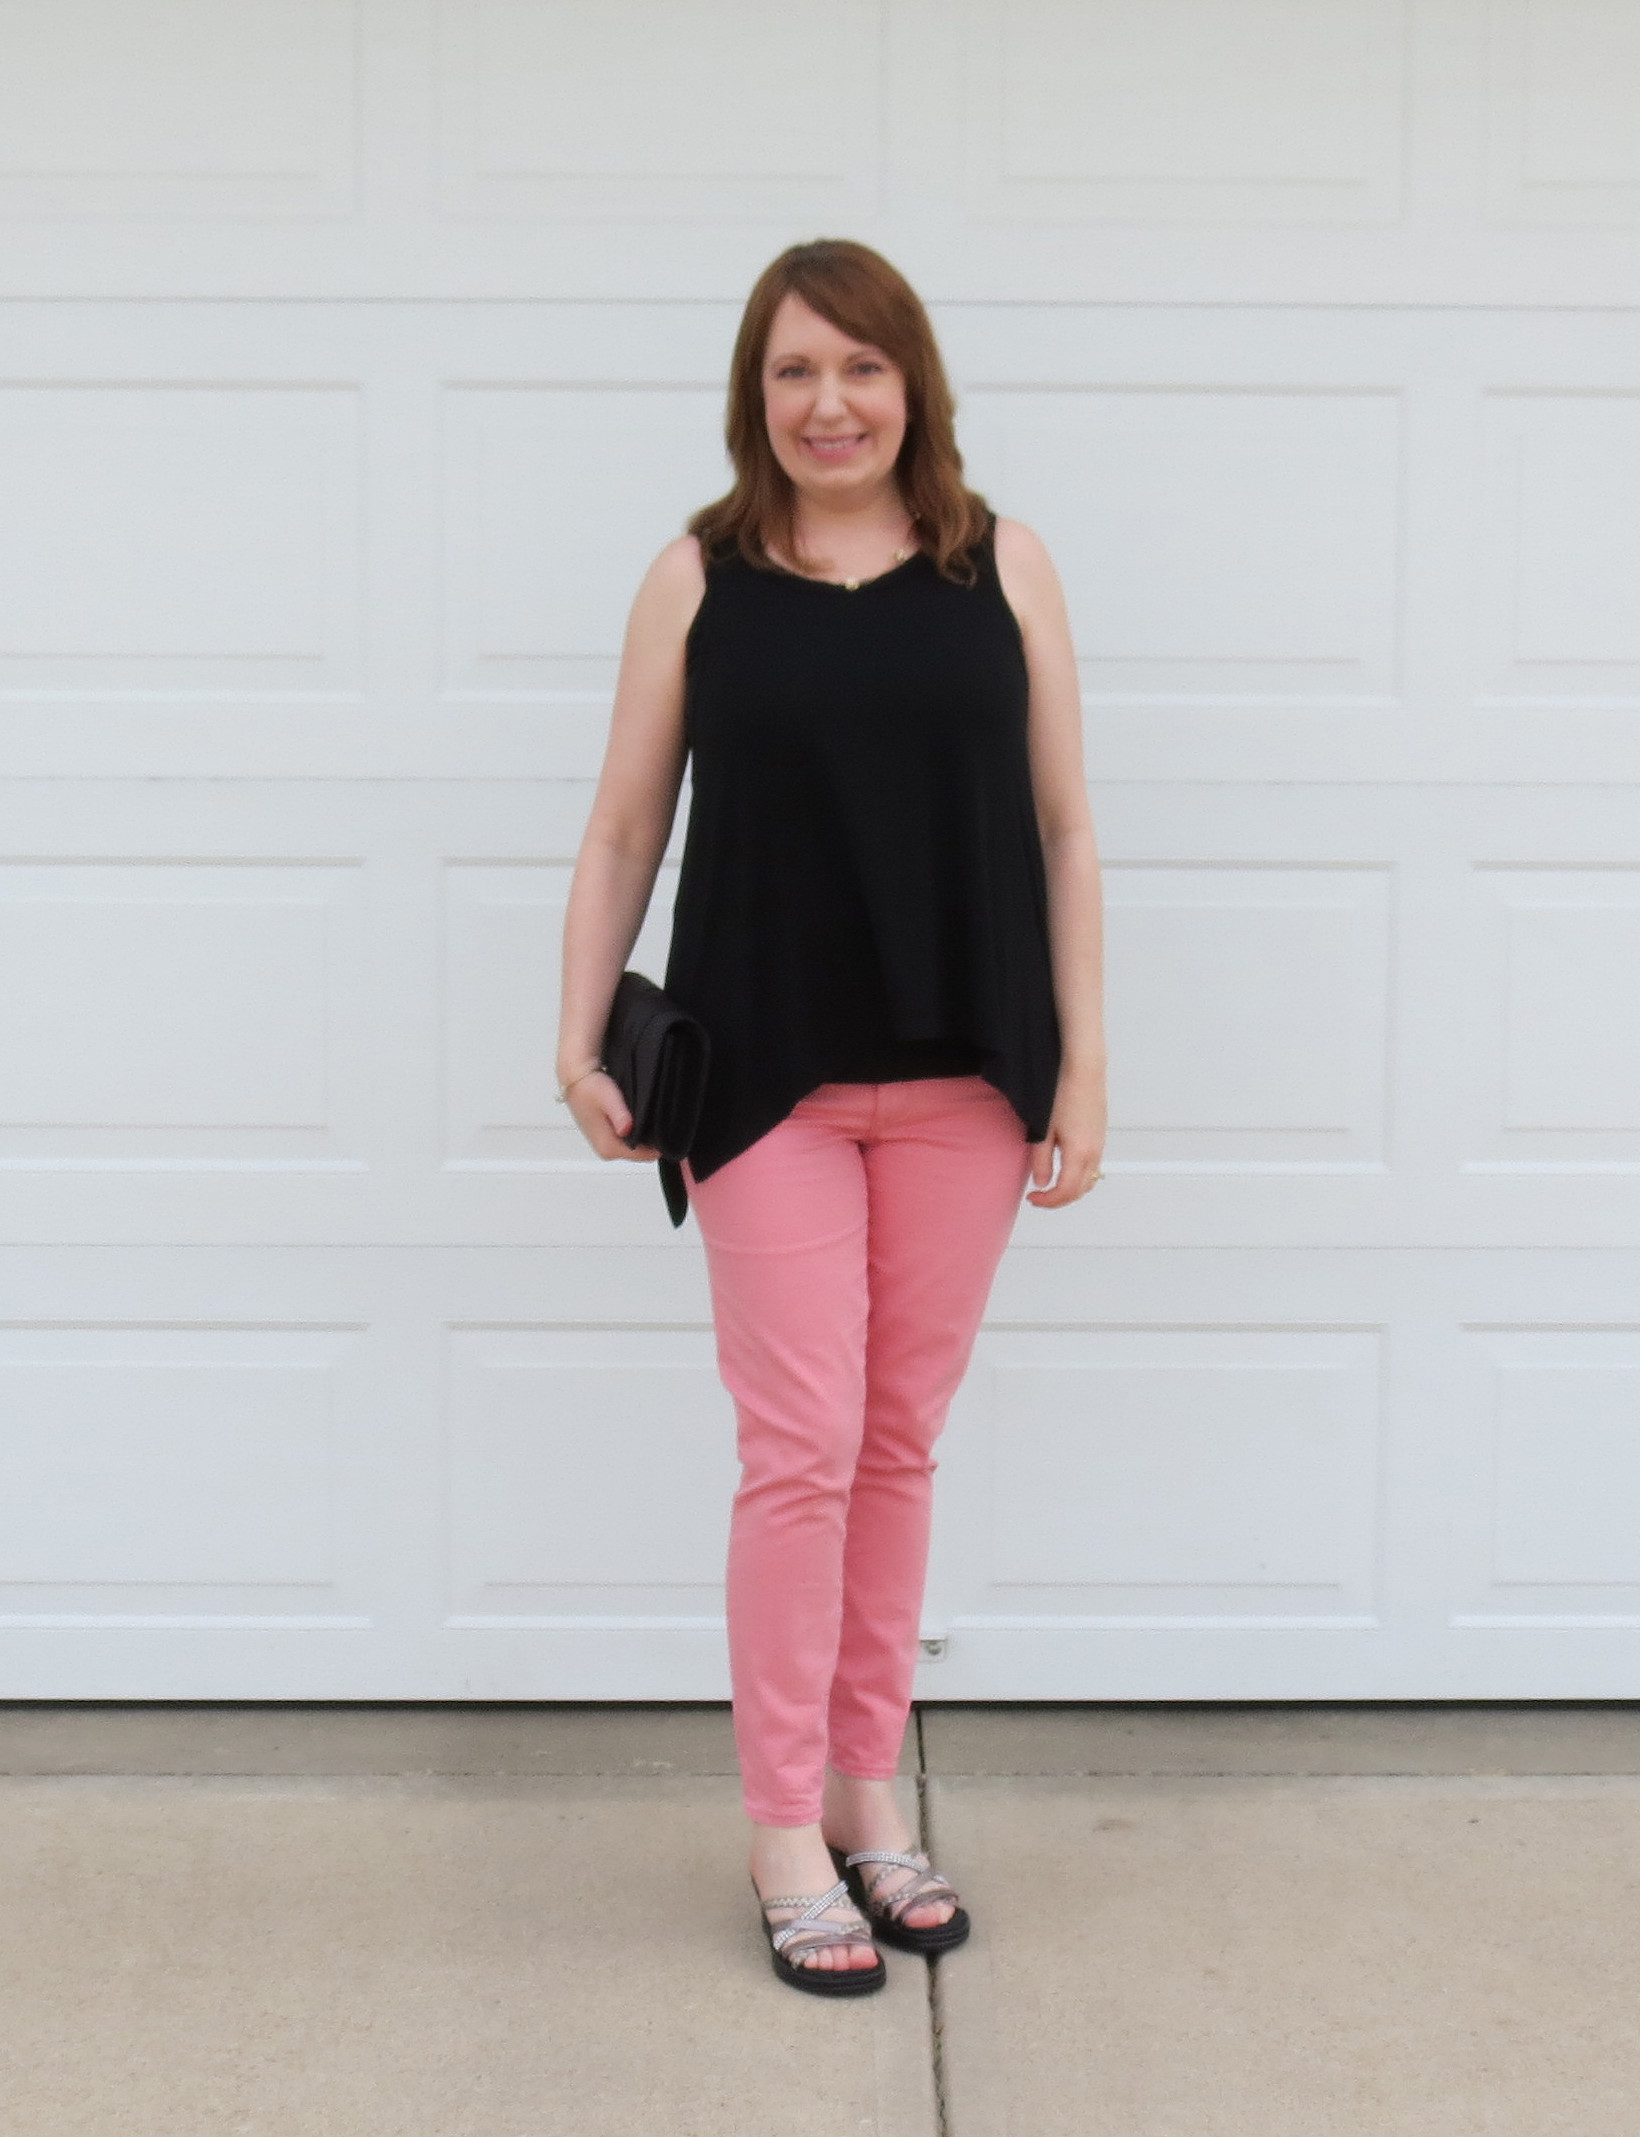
x,y
862,894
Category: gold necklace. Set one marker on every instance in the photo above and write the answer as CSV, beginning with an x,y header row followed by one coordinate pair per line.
x,y
901,556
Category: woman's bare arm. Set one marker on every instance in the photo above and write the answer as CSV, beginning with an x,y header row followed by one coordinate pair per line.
x,y
626,832
1070,851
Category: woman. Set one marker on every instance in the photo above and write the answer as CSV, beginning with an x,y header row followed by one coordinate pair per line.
x,y
888,920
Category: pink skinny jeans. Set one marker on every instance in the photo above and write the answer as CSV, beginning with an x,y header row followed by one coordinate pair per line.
x,y
850,1252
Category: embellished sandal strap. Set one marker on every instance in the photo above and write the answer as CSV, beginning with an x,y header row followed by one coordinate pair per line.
x,y
807,1925
924,1888
822,1936
888,1855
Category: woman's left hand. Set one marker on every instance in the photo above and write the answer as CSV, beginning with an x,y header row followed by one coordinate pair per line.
x,y
1078,1130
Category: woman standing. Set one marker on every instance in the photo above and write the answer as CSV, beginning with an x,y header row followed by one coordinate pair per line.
x,y
888,920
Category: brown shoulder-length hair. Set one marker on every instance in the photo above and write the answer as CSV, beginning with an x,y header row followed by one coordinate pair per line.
x,y
862,295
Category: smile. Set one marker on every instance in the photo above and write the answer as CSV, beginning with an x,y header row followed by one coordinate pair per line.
x,y
835,448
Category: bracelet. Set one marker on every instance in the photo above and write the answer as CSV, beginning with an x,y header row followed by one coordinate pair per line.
x,y
564,1089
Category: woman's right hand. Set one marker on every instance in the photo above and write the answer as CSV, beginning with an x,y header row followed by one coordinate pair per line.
x,y
603,1116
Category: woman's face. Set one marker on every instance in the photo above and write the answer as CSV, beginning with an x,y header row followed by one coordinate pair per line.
x,y
835,407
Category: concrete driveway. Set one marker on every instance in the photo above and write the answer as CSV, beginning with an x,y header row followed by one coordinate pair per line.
x,y
519,1921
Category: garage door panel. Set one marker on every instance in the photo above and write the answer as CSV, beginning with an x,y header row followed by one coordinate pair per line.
x,y
214,1016
1546,1535
172,1011
160,537
1559,555
1556,1034
542,113
179,1477
1247,1010
1561,144
1102,113
249,110
1130,1472
589,1472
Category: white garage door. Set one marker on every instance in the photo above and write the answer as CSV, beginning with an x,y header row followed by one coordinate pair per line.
x,y
357,354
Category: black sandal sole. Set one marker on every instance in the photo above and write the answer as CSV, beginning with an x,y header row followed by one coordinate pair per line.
x,y
943,1937
827,1980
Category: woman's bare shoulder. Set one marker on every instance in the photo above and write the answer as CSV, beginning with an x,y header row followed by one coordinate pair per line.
x,y
671,590
1027,573
1023,549
679,566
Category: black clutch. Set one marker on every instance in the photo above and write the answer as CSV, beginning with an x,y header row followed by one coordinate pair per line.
x,y
658,1056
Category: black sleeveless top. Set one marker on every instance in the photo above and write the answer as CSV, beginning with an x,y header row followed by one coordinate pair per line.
x,y
862,896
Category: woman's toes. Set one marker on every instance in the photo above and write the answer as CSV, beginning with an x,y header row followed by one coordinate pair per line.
x,y
832,1957
932,1916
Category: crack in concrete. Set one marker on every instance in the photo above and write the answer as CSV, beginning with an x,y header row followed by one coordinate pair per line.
x,y
936,2000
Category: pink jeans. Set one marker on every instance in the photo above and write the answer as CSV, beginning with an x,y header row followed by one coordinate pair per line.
x,y
850,1252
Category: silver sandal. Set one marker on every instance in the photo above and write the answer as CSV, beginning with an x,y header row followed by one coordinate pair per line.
x,y
806,1932
887,1915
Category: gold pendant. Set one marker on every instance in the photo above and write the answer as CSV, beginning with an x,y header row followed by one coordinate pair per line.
x,y
852,586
